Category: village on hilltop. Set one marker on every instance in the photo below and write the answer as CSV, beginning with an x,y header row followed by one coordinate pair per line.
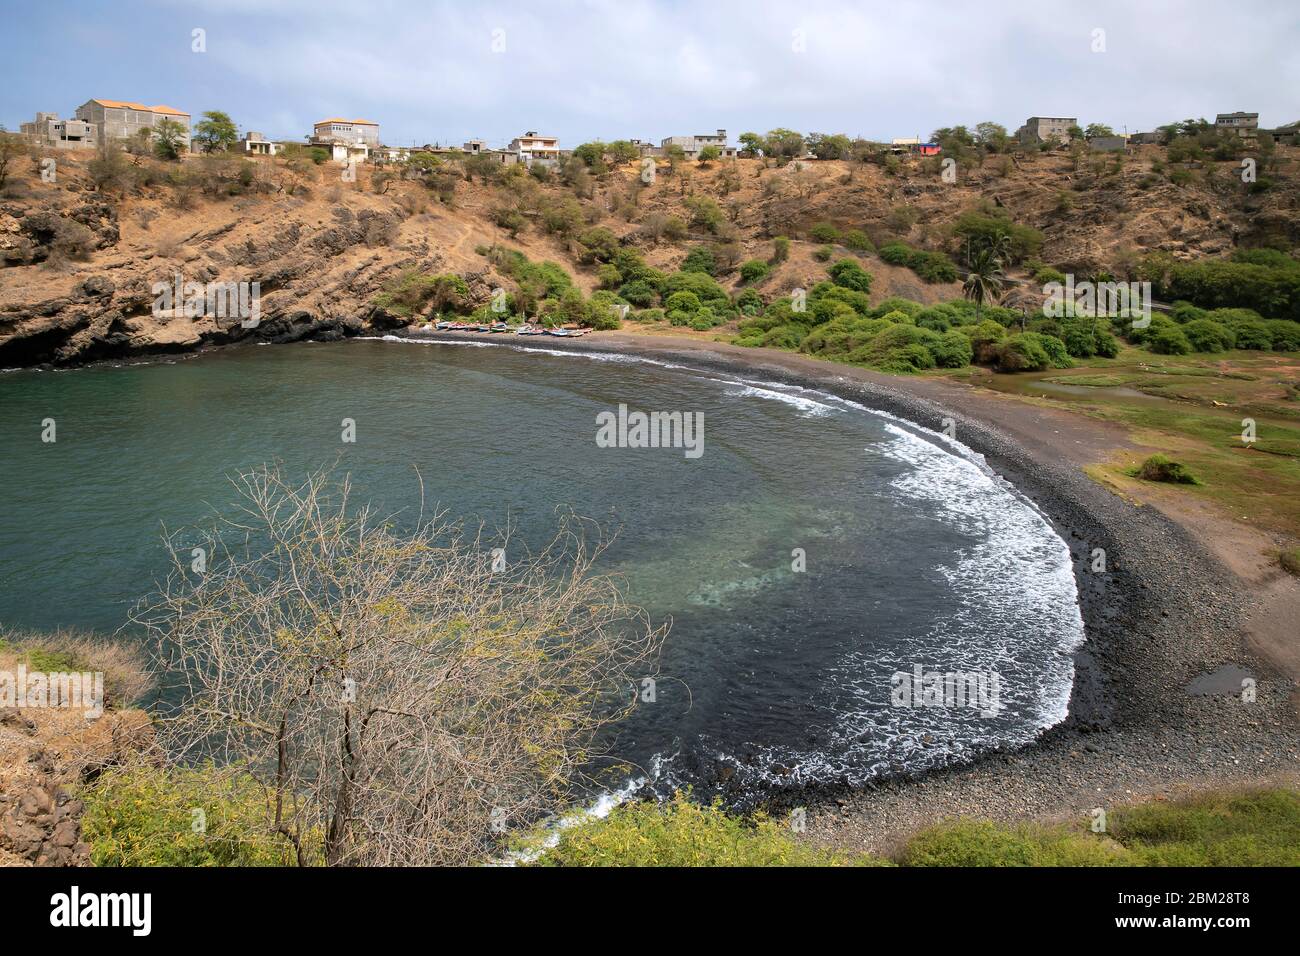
x,y
98,122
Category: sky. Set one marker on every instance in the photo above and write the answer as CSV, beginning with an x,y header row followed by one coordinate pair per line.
x,y
443,71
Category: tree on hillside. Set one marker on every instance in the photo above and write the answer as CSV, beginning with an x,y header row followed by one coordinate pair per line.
x,y
751,145
11,145
621,151
783,145
992,136
168,139
1097,129
216,132
956,142
592,155
829,145
403,697
708,154
984,277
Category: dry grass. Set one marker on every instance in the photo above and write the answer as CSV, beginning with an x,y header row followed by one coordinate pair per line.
x,y
127,678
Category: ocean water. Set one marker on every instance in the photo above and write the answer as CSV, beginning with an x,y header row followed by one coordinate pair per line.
x,y
916,554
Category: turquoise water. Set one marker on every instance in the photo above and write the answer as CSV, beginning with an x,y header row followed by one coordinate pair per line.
x,y
915,553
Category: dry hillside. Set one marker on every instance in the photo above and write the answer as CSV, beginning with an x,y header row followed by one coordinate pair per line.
x,y
80,262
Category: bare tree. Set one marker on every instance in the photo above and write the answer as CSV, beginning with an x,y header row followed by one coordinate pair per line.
x,y
404,697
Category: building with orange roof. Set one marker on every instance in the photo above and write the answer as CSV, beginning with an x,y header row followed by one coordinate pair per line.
x,y
122,119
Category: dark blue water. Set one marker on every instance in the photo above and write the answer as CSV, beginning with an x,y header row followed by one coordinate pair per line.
x,y
915,553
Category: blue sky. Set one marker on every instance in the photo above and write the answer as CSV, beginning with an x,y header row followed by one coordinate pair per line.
x,y
447,70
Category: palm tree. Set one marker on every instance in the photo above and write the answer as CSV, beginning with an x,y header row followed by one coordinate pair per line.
x,y
984,280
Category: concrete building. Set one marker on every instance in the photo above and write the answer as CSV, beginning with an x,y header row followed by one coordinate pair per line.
x,y
1107,144
1040,129
1288,133
533,147
347,140
1242,124
346,131
691,145
1146,139
391,154
475,146
118,119
50,131
255,144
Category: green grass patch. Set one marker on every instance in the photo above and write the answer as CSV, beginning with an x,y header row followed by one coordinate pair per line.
x,y
1163,468
145,816
983,843
682,833
1256,828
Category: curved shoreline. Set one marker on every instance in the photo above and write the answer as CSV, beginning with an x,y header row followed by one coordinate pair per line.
x,y
1164,613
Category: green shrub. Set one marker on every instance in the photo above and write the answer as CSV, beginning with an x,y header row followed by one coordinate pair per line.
x,y
1183,311
823,253
930,266
896,253
1169,340
143,816
787,336
748,302
647,315
1285,334
1080,337
780,250
1212,284
753,270
639,292
413,291
824,232
682,833
700,259
979,229
895,304
1022,352
1162,468
1107,344
857,240
1207,336
934,267
704,287
952,350
704,320
682,302
1056,351
848,274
